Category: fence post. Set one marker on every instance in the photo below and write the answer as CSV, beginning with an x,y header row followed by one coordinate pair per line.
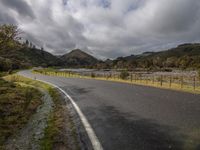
x,y
194,82
146,80
131,77
161,80
181,81
170,81
135,77
139,78
153,79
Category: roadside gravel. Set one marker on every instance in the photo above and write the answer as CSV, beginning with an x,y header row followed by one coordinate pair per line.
x,y
29,136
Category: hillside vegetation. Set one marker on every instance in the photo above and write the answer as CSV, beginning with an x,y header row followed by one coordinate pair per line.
x,y
182,57
17,55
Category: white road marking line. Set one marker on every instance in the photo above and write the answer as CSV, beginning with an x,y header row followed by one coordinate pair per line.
x,y
92,136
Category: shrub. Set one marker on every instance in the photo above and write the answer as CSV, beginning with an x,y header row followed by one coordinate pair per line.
x,y
124,74
5,64
93,75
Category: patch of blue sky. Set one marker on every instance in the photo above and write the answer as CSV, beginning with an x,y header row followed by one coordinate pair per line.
x,y
134,6
65,2
105,3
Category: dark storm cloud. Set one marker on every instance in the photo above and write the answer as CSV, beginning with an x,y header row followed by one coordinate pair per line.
x,y
20,6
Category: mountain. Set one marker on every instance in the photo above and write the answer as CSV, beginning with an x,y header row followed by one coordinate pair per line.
x,y
182,57
78,58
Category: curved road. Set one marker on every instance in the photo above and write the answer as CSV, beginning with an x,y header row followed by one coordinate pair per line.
x,y
132,117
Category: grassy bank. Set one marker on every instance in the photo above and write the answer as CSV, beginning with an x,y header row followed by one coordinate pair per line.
x,y
17,104
60,130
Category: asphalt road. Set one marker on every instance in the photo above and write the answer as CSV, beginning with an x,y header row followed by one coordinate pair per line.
x,y
132,117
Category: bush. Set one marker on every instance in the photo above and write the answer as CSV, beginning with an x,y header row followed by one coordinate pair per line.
x,y
5,64
93,75
124,74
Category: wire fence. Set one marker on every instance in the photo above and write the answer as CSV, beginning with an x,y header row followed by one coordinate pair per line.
x,y
184,82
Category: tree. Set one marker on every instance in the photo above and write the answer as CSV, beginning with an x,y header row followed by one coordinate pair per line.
x,y
158,62
27,43
42,51
9,36
170,62
31,45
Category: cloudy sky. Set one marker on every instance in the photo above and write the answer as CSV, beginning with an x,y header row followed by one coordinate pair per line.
x,y
105,28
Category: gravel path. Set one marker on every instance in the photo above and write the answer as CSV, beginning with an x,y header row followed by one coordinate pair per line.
x,y
29,136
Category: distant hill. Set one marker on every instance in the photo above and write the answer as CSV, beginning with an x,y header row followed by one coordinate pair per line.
x,y
38,57
78,58
26,57
183,56
17,54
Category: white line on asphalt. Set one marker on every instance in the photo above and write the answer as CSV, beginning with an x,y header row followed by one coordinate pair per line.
x,y
93,138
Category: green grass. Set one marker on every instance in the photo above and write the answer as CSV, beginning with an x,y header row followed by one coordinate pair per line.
x,y
17,104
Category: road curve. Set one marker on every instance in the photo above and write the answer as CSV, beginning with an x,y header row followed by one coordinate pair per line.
x,y
133,117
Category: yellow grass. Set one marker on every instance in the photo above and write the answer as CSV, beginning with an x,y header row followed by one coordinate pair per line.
x,y
156,84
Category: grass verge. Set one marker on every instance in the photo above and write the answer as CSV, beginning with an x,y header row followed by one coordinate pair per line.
x,y
55,124
17,104
60,127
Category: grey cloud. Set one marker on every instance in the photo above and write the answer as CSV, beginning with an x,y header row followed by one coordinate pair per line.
x,y
20,6
6,18
106,28
176,16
